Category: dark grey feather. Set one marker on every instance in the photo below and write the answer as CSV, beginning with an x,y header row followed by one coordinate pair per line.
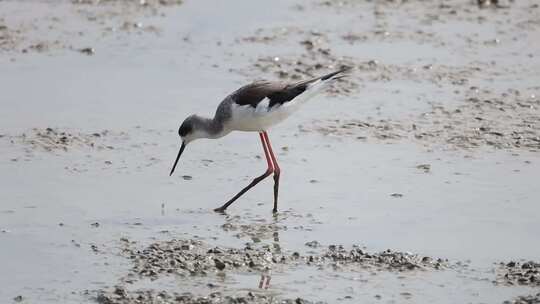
x,y
278,93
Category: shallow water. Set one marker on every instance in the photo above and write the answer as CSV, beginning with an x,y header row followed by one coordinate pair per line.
x,y
477,206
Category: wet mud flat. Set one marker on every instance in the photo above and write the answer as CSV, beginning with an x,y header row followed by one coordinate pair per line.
x,y
501,122
206,270
430,145
88,19
191,258
190,270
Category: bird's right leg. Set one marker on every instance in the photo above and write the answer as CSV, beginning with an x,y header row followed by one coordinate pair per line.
x,y
269,171
277,170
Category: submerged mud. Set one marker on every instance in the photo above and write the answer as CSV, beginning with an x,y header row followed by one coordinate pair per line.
x,y
109,18
504,121
53,139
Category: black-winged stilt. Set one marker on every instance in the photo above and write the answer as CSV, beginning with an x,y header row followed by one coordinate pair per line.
x,y
254,108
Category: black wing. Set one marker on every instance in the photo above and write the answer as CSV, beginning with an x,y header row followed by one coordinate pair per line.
x,y
278,93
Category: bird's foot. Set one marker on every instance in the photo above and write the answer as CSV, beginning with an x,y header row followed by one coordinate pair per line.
x,y
274,211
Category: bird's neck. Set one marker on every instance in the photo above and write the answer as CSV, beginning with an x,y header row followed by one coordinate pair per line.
x,y
210,127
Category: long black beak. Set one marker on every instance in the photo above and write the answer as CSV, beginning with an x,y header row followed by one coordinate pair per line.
x,y
178,157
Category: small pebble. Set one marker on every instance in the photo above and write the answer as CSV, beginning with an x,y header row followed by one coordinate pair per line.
x,y
87,51
219,264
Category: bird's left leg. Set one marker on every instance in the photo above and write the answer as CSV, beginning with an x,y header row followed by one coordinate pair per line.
x,y
277,170
256,180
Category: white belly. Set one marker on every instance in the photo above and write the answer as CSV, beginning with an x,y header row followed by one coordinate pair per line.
x,y
261,118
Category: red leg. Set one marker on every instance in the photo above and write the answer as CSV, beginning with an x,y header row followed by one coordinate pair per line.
x,y
267,152
256,180
277,171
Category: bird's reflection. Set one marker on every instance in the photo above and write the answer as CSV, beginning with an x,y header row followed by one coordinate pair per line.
x,y
258,230
264,282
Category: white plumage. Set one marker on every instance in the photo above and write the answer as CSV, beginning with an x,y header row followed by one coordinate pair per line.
x,y
262,117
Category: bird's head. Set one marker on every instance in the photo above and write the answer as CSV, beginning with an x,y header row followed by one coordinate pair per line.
x,y
189,131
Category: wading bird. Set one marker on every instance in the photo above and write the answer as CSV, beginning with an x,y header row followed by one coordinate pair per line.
x,y
254,108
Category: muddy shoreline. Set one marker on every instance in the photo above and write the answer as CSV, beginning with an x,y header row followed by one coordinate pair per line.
x,y
414,179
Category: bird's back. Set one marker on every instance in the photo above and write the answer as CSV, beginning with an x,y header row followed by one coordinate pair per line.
x,y
261,104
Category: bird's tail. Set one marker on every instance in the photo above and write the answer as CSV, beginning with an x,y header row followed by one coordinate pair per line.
x,y
336,75
319,84
314,86
331,76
